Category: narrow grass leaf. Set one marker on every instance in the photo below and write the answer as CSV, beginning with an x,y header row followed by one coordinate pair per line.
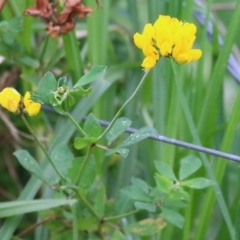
x,y
21,207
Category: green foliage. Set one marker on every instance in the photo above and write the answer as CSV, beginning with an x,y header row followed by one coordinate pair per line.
x,y
101,183
92,127
147,227
19,207
119,127
30,164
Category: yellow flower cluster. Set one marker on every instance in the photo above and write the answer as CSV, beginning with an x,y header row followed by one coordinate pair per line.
x,y
167,37
12,101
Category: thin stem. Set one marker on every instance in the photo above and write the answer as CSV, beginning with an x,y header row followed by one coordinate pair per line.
x,y
87,204
80,130
43,149
124,105
120,216
86,159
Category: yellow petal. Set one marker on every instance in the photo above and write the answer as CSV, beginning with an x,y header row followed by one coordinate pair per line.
x,y
9,99
166,49
148,32
148,63
139,40
26,100
151,51
195,54
31,107
183,58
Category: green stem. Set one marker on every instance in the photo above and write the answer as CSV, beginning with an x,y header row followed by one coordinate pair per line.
x,y
43,149
120,216
80,130
86,159
124,105
206,163
87,204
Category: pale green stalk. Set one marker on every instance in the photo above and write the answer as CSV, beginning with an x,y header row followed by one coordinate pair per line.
x,y
43,149
124,105
84,164
77,126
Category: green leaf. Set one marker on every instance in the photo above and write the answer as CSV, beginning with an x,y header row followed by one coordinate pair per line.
x,y
15,25
165,170
88,175
189,165
145,206
80,143
122,151
172,216
137,191
29,163
138,136
80,92
163,183
87,224
91,126
12,208
47,84
28,61
62,82
140,184
117,235
147,227
62,158
197,183
117,129
95,73
179,194
122,204
99,202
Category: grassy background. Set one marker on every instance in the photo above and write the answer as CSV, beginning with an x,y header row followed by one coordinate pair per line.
x,y
105,38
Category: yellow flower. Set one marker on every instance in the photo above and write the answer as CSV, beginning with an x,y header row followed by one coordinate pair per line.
x,y
167,37
31,107
10,99
141,40
148,62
